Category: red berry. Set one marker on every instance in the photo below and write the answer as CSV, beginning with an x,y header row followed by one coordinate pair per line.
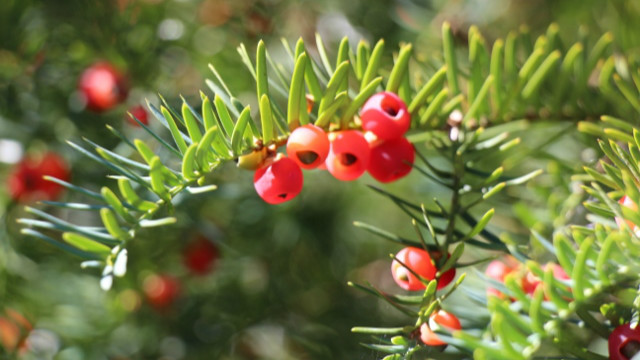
x,y
437,320
14,329
161,290
200,256
624,342
278,181
308,145
348,155
103,87
417,260
627,202
386,115
531,282
139,113
26,182
448,276
390,160
9,335
497,270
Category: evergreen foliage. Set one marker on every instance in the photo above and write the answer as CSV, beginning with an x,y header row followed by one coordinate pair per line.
x,y
463,108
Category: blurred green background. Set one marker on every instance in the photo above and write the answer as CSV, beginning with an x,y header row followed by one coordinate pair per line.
x,y
278,290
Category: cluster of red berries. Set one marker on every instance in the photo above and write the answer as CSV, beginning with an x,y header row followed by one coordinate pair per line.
x,y
498,270
381,149
412,261
103,87
26,181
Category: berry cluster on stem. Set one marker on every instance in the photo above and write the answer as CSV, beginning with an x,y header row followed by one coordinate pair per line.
x,y
379,147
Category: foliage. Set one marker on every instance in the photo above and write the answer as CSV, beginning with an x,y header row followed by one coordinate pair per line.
x,y
465,108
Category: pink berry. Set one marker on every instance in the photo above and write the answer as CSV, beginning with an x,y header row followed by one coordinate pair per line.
x,y
102,86
308,145
391,160
498,270
278,181
348,155
385,115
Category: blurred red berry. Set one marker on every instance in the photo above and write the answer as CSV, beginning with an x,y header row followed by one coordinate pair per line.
x,y
308,145
161,290
14,329
530,282
348,155
139,113
26,182
386,115
419,261
391,160
278,181
102,86
497,270
624,342
438,320
200,256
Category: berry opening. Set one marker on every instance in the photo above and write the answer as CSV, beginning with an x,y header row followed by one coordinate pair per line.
x,y
390,110
630,349
307,157
282,196
403,274
30,182
390,106
348,159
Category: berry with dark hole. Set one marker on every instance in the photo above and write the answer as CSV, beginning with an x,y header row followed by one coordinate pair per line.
x,y
391,159
438,320
348,155
386,115
308,145
624,342
279,180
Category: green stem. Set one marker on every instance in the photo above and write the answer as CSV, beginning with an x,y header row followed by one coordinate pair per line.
x,y
458,172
